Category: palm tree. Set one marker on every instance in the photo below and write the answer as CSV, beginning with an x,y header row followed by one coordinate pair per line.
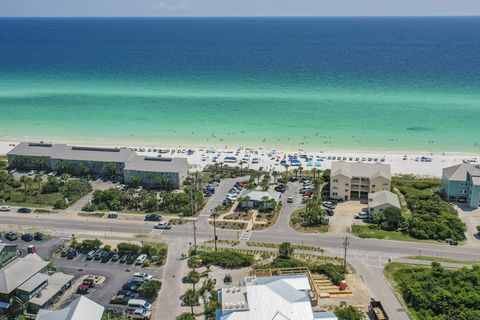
x,y
274,174
23,180
191,298
64,177
193,277
38,180
295,172
314,172
286,169
241,163
300,169
265,201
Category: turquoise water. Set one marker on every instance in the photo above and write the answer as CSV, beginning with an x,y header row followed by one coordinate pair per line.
x,y
363,84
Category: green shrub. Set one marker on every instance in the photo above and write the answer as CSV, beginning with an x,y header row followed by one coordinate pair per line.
x,y
333,272
438,293
226,259
150,289
345,312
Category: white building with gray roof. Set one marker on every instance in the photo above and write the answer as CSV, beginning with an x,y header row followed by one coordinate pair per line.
x,y
355,180
379,201
152,171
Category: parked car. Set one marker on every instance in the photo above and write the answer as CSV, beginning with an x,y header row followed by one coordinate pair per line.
x,y
112,215
451,242
281,188
115,256
90,255
131,259
330,212
290,199
141,259
72,253
5,208
64,252
98,255
127,293
11,236
83,289
132,286
153,217
362,215
123,259
24,210
163,225
138,314
90,282
329,204
119,300
27,237
106,256
38,236
143,276
139,303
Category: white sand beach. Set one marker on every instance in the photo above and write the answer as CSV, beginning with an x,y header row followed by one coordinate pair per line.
x,y
422,164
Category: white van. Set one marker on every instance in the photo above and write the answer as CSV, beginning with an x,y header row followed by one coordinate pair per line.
x,y
141,259
139,304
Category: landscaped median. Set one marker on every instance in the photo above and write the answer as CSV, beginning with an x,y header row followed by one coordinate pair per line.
x,y
303,221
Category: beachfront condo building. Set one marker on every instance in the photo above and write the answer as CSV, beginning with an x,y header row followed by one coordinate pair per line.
x,y
151,171
355,180
462,183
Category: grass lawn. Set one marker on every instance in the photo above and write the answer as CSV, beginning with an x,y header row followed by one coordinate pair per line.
x,y
371,231
40,200
296,223
446,260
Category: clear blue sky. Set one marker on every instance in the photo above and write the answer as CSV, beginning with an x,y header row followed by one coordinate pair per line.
x,y
12,8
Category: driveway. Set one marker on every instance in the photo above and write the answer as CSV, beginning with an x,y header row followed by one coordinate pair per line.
x,y
342,220
471,217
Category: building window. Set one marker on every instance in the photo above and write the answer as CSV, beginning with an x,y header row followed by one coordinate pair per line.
x,y
346,184
373,186
335,180
346,190
334,193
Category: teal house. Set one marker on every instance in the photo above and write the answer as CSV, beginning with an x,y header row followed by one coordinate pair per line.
x,y
462,183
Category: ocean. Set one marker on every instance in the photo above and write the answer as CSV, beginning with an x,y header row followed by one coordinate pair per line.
x,y
393,84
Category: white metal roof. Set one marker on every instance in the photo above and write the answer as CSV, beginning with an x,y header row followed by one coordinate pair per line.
x,y
80,309
258,195
275,298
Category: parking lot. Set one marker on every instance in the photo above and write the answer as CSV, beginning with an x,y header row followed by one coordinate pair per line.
x,y
116,275
345,212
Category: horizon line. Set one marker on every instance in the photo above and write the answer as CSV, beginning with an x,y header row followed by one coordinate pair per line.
x,y
246,16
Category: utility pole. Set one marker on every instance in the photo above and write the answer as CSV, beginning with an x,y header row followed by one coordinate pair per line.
x,y
215,231
346,243
194,237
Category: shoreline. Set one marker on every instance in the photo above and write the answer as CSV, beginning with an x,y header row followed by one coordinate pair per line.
x,y
268,159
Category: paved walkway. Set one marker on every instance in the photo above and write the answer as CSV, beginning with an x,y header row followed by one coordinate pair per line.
x,y
169,306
